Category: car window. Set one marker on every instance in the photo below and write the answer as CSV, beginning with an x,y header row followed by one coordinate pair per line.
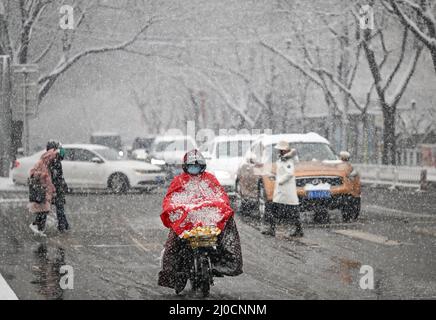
x,y
205,148
83,155
306,151
175,145
256,149
108,141
232,149
143,143
69,155
109,154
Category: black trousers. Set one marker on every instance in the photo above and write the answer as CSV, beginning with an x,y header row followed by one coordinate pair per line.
x,y
40,219
283,212
62,219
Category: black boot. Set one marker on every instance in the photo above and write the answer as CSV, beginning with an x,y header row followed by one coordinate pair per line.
x,y
270,231
181,280
298,233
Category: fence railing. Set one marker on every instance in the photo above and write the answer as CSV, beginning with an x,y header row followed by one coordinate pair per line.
x,y
397,176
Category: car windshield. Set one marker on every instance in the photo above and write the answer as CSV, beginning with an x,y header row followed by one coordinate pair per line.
x,y
108,154
232,149
306,152
174,145
108,141
142,143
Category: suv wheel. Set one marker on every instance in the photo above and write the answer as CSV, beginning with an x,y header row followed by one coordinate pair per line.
x,y
351,210
118,183
321,216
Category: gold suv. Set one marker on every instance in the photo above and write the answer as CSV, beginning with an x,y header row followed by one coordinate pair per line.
x,y
325,181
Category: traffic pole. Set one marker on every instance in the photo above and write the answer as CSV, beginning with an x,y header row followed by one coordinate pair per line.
x,y
5,116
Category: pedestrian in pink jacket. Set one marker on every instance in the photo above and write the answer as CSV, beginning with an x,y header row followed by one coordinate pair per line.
x,y
40,171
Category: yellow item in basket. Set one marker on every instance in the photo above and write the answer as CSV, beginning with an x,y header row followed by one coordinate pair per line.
x,y
201,231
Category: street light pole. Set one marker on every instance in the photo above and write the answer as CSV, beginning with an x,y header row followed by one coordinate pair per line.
x,y
5,116
26,117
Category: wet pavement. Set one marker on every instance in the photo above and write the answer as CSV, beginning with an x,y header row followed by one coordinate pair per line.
x,y
116,241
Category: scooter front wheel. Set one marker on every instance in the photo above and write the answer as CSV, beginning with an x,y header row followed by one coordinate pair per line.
x,y
205,279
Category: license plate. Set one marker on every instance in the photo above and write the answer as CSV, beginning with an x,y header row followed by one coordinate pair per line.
x,y
318,194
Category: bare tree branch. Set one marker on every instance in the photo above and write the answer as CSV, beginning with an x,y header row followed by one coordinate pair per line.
x,y
47,81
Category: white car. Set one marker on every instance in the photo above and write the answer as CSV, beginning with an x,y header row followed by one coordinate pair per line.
x,y
88,166
167,151
170,149
223,156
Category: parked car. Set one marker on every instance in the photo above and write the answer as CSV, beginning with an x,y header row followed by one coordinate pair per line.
x,y
88,166
223,156
108,139
325,181
168,151
141,148
143,143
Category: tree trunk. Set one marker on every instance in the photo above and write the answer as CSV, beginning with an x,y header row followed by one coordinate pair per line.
x,y
433,56
389,143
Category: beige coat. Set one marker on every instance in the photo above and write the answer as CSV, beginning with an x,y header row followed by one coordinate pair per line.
x,y
285,190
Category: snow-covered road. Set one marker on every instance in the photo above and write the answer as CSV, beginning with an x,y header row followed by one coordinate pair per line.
x,y
115,246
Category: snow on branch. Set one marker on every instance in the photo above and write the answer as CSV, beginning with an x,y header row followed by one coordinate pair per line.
x,y
64,63
428,40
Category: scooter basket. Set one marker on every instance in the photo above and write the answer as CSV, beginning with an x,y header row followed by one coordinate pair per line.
x,y
203,241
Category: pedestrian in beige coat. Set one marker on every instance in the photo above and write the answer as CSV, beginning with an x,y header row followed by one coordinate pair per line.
x,y
285,198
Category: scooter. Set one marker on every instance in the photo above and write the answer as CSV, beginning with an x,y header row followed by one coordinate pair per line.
x,y
201,274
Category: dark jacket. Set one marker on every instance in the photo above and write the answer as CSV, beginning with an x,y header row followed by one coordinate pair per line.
x,y
58,180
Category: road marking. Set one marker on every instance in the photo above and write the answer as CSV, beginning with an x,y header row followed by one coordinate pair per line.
x,y
396,213
425,231
139,244
6,292
333,225
368,237
103,245
13,200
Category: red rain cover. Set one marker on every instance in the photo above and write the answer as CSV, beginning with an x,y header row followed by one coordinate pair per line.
x,y
193,201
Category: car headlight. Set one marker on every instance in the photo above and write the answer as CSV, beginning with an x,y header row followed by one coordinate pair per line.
x,y
157,162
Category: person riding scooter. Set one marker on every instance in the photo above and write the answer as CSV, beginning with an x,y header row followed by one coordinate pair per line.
x,y
195,198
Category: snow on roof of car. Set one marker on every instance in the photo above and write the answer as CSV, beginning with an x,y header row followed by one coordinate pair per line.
x,y
236,137
100,134
85,146
294,137
172,138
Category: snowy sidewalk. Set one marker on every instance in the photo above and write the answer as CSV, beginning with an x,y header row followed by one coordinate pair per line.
x,y
11,195
6,185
